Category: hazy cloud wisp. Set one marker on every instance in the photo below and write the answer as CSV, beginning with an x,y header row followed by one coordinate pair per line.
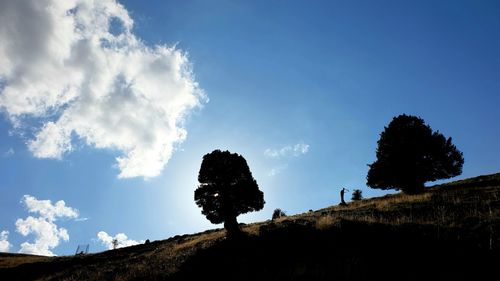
x,y
276,170
9,153
286,151
282,154
76,67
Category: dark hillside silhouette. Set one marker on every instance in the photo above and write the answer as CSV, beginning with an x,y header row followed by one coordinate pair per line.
x,y
409,154
448,232
351,251
227,189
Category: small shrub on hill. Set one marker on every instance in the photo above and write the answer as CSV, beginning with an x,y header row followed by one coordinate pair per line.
x,y
357,195
278,213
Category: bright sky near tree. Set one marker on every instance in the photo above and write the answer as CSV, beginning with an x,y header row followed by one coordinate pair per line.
x,y
108,107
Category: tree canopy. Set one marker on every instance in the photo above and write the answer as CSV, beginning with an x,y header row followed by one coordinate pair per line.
x,y
409,154
357,194
278,213
227,189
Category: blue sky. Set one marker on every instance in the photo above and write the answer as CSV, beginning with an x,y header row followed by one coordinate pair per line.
x,y
315,80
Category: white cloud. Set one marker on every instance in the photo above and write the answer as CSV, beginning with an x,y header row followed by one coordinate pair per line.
x,y
286,151
4,243
76,67
121,240
47,233
47,210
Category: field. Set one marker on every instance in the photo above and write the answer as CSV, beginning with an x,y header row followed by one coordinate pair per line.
x,y
449,232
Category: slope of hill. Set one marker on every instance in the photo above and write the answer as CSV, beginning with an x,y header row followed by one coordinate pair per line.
x,y
450,232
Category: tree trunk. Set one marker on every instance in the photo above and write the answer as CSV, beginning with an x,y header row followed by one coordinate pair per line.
x,y
231,226
414,188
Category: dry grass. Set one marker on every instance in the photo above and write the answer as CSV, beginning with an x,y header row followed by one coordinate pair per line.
x,y
383,203
446,205
13,260
198,241
252,229
325,222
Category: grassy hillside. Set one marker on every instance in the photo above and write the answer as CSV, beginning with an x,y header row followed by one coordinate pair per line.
x,y
450,232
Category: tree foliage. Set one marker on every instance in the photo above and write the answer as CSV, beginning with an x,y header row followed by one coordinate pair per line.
x,y
409,154
278,213
227,189
357,195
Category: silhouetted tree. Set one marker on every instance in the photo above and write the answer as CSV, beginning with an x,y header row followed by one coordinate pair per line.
x,y
409,154
278,213
115,244
227,189
357,195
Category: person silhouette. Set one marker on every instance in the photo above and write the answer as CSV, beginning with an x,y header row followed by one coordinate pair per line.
x,y
342,202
